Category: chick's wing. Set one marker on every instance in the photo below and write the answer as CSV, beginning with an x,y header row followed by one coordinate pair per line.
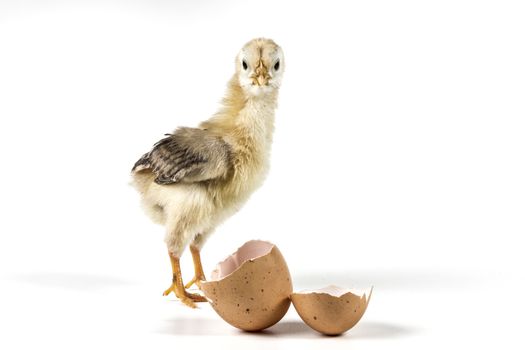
x,y
187,155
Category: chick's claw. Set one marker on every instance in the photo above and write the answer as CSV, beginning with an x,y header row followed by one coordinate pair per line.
x,y
196,297
172,288
189,299
195,280
188,302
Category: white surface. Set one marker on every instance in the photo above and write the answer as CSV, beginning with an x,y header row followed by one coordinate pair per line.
x,y
398,162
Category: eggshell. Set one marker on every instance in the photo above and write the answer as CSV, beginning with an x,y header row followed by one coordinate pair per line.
x,y
251,288
330,310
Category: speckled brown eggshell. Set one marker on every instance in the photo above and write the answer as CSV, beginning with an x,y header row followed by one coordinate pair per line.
x,y
250,289
330,310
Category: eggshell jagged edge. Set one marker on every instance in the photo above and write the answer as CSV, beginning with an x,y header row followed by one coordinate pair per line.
x,y
337,292
236,258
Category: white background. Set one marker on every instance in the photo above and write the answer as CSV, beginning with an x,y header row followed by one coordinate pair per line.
x,y
398,162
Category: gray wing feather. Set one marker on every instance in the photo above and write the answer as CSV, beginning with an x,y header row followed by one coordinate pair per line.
x,y
187,155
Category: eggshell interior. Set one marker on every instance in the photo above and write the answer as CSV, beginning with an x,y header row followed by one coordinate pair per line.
x,y
249,251
331,310
250,289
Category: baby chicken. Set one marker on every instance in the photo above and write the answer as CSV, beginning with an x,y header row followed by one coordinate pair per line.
x,y
195,178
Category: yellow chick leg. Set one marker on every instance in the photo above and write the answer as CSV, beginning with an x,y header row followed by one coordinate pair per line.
x,y
199,273
177,286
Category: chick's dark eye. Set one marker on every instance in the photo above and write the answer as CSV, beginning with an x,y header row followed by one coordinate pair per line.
x,y
276,65
244,65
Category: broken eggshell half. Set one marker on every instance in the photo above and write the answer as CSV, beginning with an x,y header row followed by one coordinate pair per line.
x,y
251,288
330,310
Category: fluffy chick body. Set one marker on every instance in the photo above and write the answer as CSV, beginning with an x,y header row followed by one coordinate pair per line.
x,y
191,211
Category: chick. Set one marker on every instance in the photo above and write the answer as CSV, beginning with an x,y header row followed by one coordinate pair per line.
x,y
195,178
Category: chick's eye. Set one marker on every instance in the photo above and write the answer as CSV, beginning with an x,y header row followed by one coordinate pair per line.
x,y
244,65
276,65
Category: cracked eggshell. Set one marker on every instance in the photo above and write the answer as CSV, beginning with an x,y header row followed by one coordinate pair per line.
x,y
331,310
251,288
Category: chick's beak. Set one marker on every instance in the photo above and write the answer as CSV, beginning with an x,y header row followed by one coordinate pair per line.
x,y
261,75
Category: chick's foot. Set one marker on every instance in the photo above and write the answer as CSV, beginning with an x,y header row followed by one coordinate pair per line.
x,y
196,280
188,299
199,272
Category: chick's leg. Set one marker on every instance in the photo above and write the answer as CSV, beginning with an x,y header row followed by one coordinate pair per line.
x,y
199,273
177,286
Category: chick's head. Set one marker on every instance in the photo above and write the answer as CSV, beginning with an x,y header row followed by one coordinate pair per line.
x,y
259,66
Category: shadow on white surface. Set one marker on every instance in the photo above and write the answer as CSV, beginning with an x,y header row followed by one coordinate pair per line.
x,y
195,326
290,328
71,281
368,330
380,330
283,329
